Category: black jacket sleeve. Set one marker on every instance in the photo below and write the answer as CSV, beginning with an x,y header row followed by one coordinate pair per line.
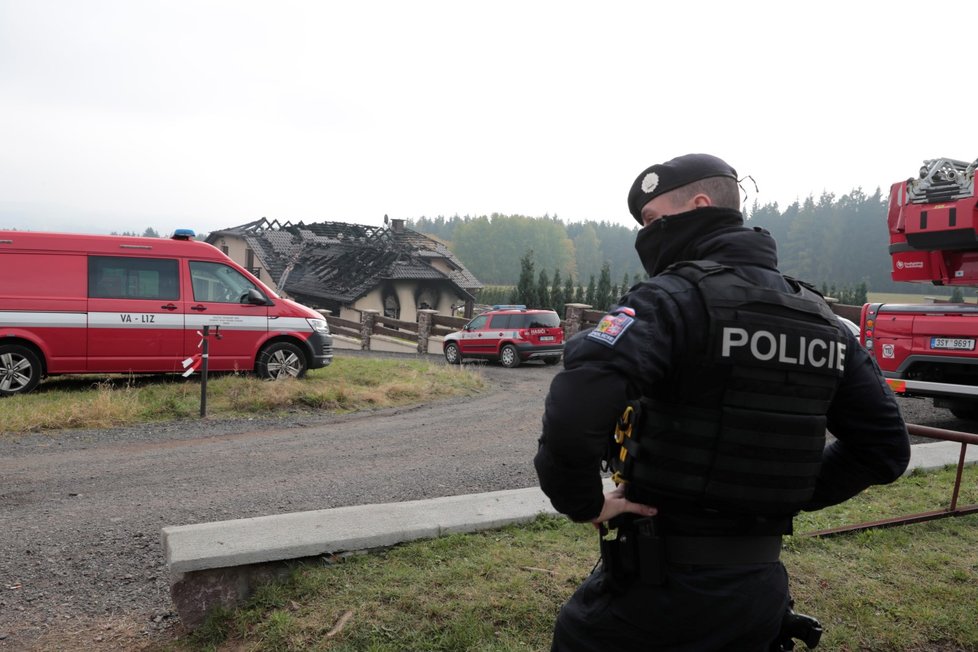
x,y
578,419
871,444
588,396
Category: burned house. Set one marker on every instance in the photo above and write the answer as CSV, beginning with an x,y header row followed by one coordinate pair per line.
x,y
346,268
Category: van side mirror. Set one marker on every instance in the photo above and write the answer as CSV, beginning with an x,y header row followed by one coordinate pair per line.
x,y
254,297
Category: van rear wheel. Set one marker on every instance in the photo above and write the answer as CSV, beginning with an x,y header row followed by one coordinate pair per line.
x,y
20,370
281,360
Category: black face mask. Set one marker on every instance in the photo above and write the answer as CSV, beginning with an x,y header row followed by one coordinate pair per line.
x,y
673,238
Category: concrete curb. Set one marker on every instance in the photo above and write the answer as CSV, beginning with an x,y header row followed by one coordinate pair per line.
x,y
938,455
305,534
220,563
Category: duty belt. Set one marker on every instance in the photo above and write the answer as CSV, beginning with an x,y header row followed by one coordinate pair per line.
x,y
634,550
722,551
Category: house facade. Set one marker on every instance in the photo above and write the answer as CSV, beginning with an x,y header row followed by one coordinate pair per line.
x,y
348,268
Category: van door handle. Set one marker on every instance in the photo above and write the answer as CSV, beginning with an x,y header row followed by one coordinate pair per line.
x,y
199,308
169,306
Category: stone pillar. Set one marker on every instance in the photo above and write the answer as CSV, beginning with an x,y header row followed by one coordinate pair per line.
x,y
367,318
573,316
425,322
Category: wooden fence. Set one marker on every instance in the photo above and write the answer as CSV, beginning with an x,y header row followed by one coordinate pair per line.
x,y
429,324
577,316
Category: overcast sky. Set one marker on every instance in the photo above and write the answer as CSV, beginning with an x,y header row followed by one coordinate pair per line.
x,y
122,115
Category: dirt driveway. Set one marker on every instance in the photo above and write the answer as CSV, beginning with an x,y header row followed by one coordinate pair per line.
x,y
81,564
81,512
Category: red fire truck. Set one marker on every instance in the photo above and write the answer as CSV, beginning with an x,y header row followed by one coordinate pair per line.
x,y
929,349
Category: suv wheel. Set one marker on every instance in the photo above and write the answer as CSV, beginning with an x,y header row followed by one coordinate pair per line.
x,y
509,357
452,354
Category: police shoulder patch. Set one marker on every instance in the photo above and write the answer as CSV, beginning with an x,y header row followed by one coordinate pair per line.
x,y
612,326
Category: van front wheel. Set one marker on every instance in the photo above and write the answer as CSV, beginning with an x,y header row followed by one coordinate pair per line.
x,y
20,370
281,360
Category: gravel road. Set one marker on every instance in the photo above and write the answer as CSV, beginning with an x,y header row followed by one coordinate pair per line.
x,y
81,562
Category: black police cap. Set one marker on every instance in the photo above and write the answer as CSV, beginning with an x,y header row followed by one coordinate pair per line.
x,y
680,171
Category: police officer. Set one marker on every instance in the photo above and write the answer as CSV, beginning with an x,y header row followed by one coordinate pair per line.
x,y
719,378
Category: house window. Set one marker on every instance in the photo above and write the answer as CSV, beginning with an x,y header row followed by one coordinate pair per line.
x,y
250,263
426,299
392,307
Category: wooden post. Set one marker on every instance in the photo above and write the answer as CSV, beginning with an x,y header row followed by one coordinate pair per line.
x,y
367,319
425,322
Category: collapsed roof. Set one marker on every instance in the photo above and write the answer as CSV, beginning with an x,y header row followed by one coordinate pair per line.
x,y
340,262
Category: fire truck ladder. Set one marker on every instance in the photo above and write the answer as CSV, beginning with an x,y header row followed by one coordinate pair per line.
x,y
943,179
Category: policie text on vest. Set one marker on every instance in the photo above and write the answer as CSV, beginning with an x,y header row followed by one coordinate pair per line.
x,y
764,346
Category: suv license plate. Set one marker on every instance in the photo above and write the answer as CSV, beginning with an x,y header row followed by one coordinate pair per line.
x,y
546,338
951,343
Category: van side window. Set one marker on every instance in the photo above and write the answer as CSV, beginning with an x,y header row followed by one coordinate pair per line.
x,y
111,277
218,283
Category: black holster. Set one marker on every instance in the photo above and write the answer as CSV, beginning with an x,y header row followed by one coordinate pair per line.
x,y
632,551
804,628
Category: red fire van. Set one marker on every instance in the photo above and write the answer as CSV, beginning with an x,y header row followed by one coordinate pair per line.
x,y
117,304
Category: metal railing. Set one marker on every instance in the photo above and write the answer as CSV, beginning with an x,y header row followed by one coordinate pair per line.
x,y
953,509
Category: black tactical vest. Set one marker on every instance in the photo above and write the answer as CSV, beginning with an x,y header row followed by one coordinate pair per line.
x,y
741,427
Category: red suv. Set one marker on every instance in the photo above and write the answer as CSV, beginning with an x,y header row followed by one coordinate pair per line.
x,y
510,334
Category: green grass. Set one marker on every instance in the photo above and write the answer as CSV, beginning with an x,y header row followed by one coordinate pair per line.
x,y
906,589
347,385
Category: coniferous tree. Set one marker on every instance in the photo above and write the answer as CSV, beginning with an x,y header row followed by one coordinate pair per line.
x,y
592,293
569,296
602,294
543,291
557,294
526,291
581,295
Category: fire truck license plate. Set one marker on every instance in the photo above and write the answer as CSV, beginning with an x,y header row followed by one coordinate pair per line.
x,y
954,344
547,338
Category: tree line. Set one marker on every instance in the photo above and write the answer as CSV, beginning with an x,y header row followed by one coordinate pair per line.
x,y
838,244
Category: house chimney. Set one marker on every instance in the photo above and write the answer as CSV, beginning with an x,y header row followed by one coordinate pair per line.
x,y
397,225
